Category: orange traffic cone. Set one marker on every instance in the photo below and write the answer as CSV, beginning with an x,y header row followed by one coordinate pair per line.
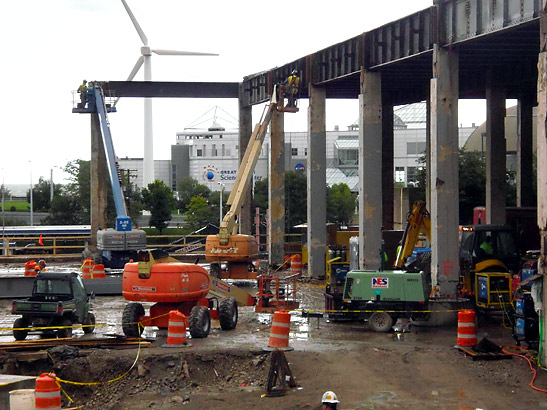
x,y
176,333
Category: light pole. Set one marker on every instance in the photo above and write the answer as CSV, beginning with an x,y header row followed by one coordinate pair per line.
x,y
51,184
31,212
221,191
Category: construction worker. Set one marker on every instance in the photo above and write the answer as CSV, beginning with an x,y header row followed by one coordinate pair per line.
x,y
42,264
329,400
486,246
82,90
292,85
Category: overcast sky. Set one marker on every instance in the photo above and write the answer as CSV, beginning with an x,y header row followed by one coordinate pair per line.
x,y
49,47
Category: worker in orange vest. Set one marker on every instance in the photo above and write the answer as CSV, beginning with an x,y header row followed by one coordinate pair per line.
x,y
82,90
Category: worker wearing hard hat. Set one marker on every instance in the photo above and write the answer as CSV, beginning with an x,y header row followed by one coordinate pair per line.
x,y
329,400
293,85
82,89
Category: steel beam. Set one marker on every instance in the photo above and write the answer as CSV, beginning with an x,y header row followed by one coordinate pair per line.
x,y
370,164
317,182
444,174
171,89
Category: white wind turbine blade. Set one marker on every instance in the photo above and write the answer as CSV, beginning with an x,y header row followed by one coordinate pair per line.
x,y
132,74
136,68
180,53
136,24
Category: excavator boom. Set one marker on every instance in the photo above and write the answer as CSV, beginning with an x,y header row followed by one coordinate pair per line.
x,y
417,220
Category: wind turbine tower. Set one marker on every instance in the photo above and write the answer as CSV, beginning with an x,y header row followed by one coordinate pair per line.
x,y
146,58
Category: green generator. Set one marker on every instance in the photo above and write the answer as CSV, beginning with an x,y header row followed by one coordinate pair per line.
x,y
389,286
381,297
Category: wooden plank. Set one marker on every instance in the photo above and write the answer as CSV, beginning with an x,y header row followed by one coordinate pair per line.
x,y
474,355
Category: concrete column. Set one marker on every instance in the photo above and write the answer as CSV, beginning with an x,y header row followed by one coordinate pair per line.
x,y
317,182
388,180
495,153
428,149
444,173
525,151
276,189
245,131
99,183
370,162
542,164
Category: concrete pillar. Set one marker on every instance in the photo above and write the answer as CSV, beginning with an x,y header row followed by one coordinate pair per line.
x,y
444,173
495,152
245,131
99,183
525,151
542,165
428,149
388,180
317,182
370,163
276,189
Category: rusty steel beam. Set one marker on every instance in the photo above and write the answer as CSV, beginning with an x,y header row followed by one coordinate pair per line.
x,y
171,89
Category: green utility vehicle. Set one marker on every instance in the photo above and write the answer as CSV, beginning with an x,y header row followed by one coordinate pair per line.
x,y
58,299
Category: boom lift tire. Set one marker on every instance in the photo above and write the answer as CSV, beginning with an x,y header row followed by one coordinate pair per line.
x,y
200,322
90,322
380,322
66,330
20,334
131,313
227,313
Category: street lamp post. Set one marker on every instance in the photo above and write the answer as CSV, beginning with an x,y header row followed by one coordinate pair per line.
x,y
31,204
221,191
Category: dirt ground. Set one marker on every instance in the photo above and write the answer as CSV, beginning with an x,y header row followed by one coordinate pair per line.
x,y
228,370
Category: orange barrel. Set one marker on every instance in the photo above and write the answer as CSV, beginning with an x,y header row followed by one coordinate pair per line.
x,y
467,328
86,268
296,264
279,333
48,392
30,267
176,333
98,272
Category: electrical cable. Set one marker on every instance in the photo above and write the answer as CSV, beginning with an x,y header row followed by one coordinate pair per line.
x,y
529,363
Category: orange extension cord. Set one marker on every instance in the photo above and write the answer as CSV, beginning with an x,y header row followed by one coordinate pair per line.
x,y
529,363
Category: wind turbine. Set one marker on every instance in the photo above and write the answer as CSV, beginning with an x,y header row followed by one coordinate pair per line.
x,y
146,58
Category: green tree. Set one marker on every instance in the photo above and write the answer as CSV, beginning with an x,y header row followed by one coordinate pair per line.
x,y
188,188
79,187
472,184
260,197
158,199
199,213
296,202
41,194
65,210
341,204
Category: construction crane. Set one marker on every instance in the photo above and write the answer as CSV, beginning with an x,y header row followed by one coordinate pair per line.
x,y
237,250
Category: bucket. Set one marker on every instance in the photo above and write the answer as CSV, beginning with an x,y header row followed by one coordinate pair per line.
x,y
22,399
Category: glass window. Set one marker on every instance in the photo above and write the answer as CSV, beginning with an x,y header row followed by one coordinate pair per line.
x,y
199,153
411,175
294,152
49,286
400,174
415,148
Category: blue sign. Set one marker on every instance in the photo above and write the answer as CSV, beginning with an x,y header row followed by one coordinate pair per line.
x,y
123,224
299,167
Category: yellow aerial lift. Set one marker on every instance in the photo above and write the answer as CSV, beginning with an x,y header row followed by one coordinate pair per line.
x,y
237,250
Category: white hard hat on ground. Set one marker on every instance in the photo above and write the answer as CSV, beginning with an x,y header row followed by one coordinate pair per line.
x,y
329,397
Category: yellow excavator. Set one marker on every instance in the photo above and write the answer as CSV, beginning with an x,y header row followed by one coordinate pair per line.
x,y
238,251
